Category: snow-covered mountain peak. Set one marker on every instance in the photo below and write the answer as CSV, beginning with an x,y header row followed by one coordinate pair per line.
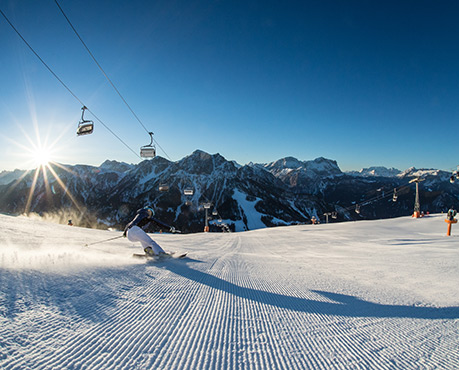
x,y
199,154
115,166
324,166
317,167
7,177
376,171
423,172
200,162
290,163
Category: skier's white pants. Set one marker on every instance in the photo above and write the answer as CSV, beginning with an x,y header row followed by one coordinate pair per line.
x,y
136,234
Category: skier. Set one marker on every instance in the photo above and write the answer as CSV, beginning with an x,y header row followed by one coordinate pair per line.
x,y
451,214
133,231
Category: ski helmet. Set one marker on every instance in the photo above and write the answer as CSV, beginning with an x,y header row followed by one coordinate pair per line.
x,y
150,208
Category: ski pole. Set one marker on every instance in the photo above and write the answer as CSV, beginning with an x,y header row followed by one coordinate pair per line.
x,y
103,241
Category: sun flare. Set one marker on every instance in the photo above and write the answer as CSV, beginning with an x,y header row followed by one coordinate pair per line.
x,y
40,160
42,157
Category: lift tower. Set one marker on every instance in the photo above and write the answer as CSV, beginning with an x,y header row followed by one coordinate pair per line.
x,y
206,208
417,205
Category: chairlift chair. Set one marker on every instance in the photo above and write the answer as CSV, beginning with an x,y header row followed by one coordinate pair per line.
x,y
451,179
85,127
188,191
214,212
163,187
395,196
357,208
148,151
334,215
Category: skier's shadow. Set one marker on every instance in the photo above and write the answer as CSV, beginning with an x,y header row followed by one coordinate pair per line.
x,y
341,305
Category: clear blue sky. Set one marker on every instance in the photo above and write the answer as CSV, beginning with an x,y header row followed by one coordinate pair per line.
x,y
365,83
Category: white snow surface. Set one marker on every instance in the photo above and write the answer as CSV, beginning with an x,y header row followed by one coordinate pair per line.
x,y
248,207
376,171
357,295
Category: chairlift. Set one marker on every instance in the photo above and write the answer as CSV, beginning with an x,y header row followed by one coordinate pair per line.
x,y
188,191
395,196
214,212
148,151
416,179
334,215
85,127
357,208
163,187
454,176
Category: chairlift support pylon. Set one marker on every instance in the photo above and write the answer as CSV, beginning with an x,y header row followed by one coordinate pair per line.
x,y
85,127
148,151
417,205
206,208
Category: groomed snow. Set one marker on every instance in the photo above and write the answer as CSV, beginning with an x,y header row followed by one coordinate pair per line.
x,y
357,295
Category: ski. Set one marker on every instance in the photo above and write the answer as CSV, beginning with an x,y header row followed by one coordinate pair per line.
x,y
162,257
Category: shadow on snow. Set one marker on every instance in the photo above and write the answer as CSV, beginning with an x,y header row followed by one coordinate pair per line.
x,y
343,305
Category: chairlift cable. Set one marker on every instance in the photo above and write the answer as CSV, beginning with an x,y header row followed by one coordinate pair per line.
x,y
106,76
100,67
63,84
41,60
108,128
377,198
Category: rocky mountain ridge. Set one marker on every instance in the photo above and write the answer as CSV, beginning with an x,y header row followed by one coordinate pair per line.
x,y
287,191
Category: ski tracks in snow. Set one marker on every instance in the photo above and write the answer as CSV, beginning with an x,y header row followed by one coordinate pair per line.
x,y
233,304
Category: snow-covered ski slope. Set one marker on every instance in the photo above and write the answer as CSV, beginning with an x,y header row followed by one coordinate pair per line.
x,y
358,295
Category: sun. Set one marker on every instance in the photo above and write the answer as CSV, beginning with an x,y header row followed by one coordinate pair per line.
x,y
42,156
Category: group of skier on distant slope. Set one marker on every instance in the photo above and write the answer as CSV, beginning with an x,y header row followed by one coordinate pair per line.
x,y
134,231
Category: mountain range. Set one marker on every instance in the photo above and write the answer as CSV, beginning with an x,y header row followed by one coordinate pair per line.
x,y
235,197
